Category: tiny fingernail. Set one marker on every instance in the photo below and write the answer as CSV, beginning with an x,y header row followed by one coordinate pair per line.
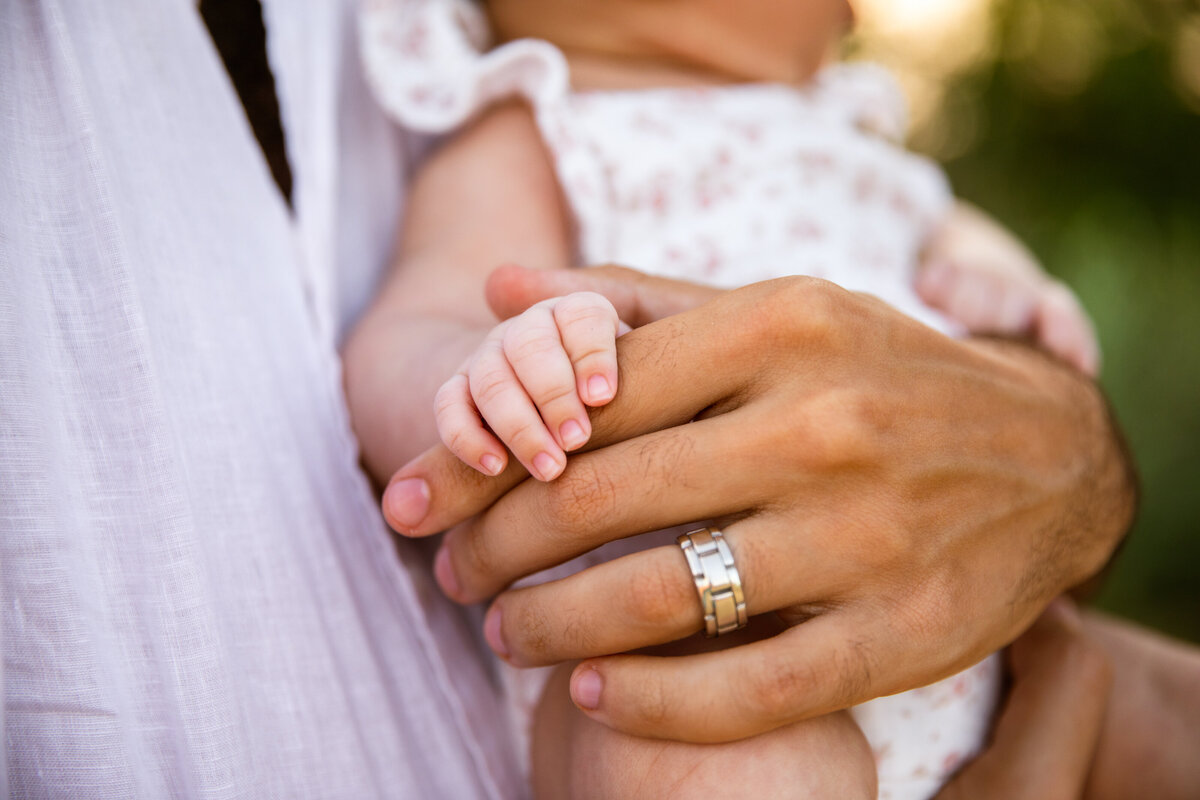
x,y
491,632
407,502
572,434
444,572
491,464
586,686
545,466
599,389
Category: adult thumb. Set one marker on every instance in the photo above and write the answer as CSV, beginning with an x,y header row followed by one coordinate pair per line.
x,y
638,298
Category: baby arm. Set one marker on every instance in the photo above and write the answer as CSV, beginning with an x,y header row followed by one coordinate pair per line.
x,y
980,275
529,382
488,196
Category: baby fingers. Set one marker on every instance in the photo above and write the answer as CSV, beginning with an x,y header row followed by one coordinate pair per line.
x,y
505,401
462,430
588,325
528,382
539,359
1065,329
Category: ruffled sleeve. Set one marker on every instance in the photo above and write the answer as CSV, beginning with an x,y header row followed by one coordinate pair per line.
x,y
867,95
428,63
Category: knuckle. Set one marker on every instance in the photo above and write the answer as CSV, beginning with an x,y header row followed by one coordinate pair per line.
x,y
490,386
811,305
600,358
653,704
854,669
557,394
895,549
578,497
457,440
447,399
658,597
526,436
840,428
927,614
584,309
527,629
474,561
575,636
530,342
543,631
777,688
585,302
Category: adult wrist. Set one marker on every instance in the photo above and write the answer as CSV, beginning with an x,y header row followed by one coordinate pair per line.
x,y
1096,464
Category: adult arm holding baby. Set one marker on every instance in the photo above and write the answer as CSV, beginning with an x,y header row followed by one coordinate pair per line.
x,y
896,618
882,475
917,499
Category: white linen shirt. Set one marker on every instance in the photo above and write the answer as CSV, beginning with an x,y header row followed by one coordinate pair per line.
x,y
199,596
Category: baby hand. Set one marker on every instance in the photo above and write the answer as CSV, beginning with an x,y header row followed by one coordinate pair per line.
x,y
526,386
981,276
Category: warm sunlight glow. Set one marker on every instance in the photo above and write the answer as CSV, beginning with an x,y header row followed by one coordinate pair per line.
x,y
925,43
906,17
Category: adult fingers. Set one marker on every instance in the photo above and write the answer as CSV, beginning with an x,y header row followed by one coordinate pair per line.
x,y
822,665
648,598
538,357
435,490
638,298
1045,737
413,507
647,483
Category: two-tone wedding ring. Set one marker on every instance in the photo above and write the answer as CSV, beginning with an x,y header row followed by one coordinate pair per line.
x,y
717,581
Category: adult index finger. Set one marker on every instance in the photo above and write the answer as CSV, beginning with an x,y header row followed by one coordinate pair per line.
x,y
669,372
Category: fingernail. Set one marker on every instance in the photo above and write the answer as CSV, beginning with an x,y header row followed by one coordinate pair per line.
x,y
445,574
572,434
407,502
545,466
599,389
491,632
586,686
491,464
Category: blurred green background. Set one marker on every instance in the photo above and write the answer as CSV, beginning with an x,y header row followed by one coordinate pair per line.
x,y
1077,124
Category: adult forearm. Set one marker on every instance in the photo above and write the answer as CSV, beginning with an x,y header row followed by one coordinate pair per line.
x,y
1151,735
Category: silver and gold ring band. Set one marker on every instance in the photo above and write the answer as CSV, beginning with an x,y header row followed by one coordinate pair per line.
x,y
717,580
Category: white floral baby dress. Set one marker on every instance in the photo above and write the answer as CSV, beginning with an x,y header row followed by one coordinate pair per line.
x,y
725,185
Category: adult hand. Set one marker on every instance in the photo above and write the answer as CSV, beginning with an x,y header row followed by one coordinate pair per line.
x,y
1046,735
915,501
